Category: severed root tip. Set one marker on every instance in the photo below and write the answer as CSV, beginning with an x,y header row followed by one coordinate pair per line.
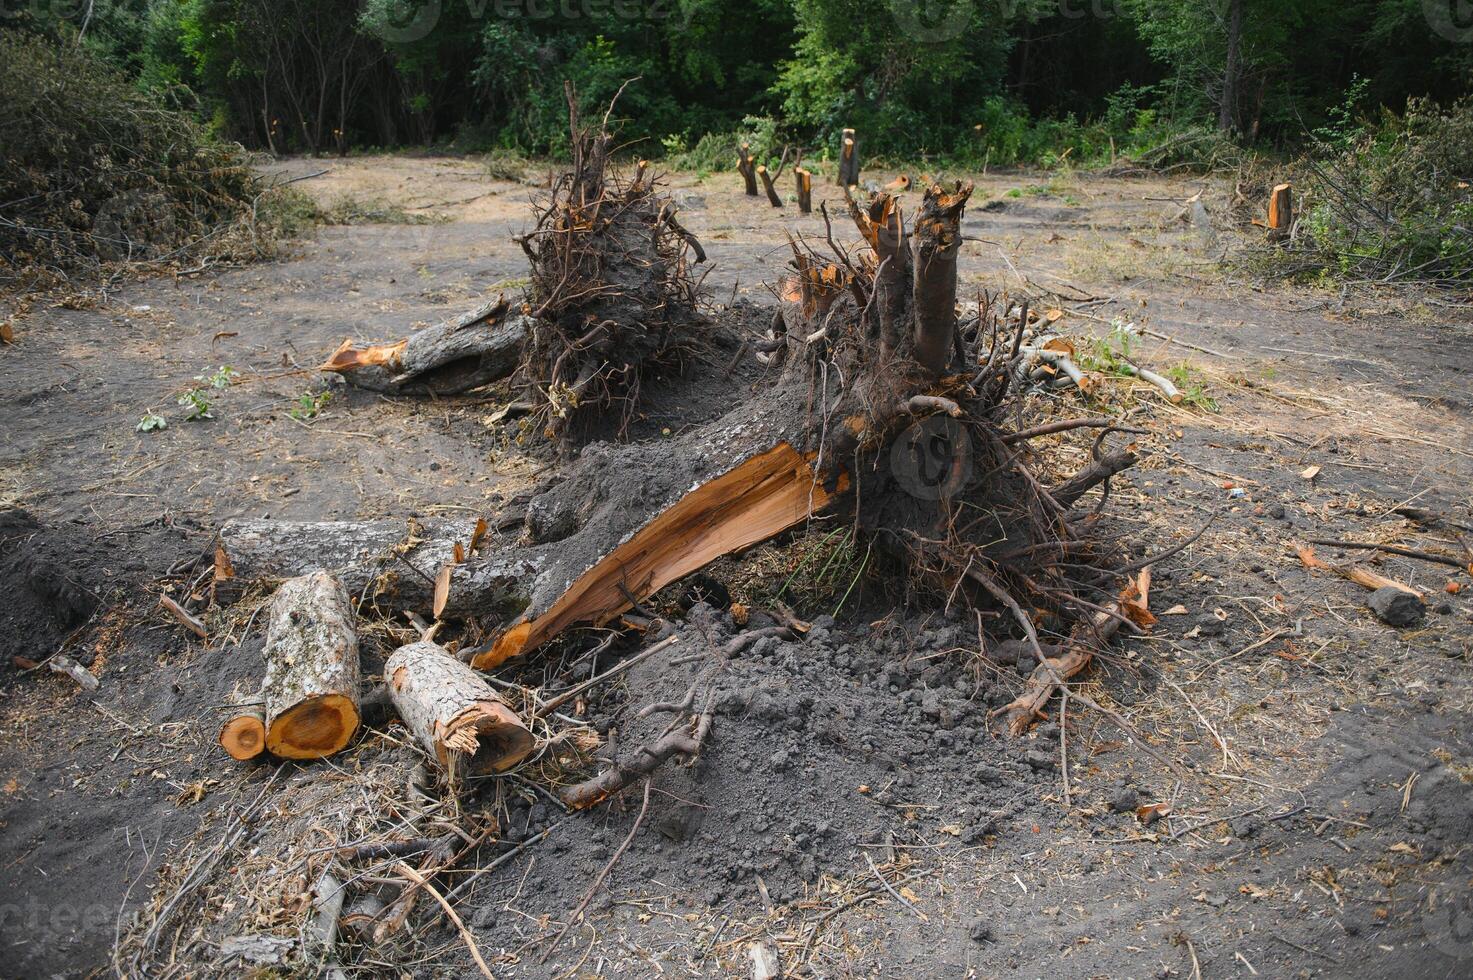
x,y
350,358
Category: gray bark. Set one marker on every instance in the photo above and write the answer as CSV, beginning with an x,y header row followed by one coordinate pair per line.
x,y
448,358
450,708
310,692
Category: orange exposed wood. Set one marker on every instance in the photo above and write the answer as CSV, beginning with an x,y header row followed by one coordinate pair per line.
x,y
347,357
1280,210
764,496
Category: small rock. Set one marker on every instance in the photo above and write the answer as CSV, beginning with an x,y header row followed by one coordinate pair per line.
x,y
1395,607
1039,760
1209,625
1126,800
980,929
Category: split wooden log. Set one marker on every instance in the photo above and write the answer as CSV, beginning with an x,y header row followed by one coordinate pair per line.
x,y
772,196
310,692
747,168
455,714
1280,212
803,179
848,160
243,736
474,350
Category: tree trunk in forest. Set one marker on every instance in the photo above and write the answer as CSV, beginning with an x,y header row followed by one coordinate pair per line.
x,y
1228,108
453,712
747,168
310,692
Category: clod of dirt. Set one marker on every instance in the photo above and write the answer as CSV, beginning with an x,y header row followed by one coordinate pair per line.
x,y
1396,607
44,598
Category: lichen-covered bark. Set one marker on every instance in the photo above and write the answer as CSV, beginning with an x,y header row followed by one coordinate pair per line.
x,y
310,691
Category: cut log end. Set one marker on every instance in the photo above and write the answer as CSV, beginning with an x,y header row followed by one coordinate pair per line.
x,y
244,736
313,728
490,738
453,712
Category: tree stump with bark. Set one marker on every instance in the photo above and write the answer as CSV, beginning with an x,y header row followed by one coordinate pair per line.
x,y
747,168
803,180
848,175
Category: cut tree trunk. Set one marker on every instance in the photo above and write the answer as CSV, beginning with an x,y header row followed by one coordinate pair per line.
x,y
310,693
453,712
1280,212
747,168
937,240
243,736
848,160
474,350
773,197
803,180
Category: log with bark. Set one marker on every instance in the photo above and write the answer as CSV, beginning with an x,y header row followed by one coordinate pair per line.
x,y
243,735
455,714
310,691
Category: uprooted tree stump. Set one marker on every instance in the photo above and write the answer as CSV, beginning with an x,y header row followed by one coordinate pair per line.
x,y
887,410
611,299
310,692
453,712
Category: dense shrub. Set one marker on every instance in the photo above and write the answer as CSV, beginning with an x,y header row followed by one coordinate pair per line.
x,y
1394,202
93,169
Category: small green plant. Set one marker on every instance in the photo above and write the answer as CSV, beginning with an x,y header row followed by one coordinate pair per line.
x,y
221,378
152,422
196,404
1193,389
309,405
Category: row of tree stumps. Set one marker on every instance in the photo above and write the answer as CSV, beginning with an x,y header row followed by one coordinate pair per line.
x,y
753,172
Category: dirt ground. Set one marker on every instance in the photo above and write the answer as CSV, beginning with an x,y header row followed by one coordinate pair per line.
x,y
854,811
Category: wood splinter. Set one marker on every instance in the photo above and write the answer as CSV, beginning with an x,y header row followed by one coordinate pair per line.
x,y
453,712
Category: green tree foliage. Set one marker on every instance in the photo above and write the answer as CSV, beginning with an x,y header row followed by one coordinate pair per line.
x,y
1007,80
